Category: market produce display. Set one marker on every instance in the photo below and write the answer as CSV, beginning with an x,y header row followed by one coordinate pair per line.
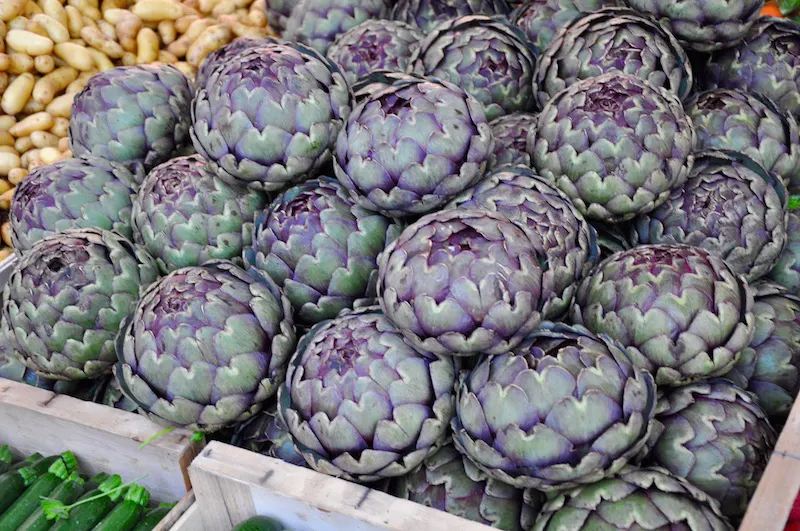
x,y
535,265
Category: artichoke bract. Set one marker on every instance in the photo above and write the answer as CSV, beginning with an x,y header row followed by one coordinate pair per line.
x,y
464,282
613,40
500,65
362,404
541,19
730,206
72,193
278,13
135,115
751,124
271,117
614,144
450,482
320,248
412,147
367,86
205,347
704,25
717,437
66,298
566,408
12,368
114,397
267,434
766,62
636,498
787,270
427,14
680,311
510,134
375,45
558,231
185,215
317,23
223,55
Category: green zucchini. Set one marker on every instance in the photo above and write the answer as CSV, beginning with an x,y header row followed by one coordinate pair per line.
x,y
260,523
153,517
67,492
45,484
5,459
127,513
93,482
31,459
14,484
93,507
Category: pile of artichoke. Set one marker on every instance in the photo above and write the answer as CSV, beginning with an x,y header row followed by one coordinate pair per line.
x,y
532,265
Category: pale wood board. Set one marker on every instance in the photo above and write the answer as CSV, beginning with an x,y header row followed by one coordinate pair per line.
x,y
772,502
103,439
232,484
179,515
190,520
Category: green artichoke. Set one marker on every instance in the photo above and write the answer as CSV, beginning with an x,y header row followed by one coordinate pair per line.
x,y
317,23
704,25
510,134
320,248
611,238
613,40
66,298
766,62
428,14
12,368
73,193
647,498
185,215
751,124
450,482
730,206
787,271
205,347
487,57
564,409
114,397
614,144
558,230
271,117
135,115
680,311
463,282
717,437
267,434
360,403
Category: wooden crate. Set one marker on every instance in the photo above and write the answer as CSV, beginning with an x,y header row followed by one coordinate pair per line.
x,y
103,439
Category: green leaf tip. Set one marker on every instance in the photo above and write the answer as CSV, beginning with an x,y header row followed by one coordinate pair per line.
x,y
5,454
794,202
154,437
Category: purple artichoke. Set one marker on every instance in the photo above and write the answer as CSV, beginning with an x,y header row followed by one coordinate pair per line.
x,y
465,282
412,147
224,55
487,57
278,13
317,23
427,14
375,45
511,139
787,270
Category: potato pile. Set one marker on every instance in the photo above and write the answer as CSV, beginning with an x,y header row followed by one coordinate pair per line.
x,y
50,48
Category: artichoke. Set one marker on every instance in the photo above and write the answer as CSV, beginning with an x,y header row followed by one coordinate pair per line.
x,y
205,347
541,19
614,144
611,238
66,298
731,207
317,23
114,397
412,147
374,45
271,117
510,134
751,124
680,311
613,40
367,86
135,115
360,403
766,62
185,215
427,14
558,231
450,482
704,25
267,434
487,57
12,368
646,498
565,408
787,270
224,55
278,13
465,282
73,193
714,435
320,248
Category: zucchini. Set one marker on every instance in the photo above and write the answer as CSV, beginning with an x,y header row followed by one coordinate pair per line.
x,y
27,462
29,501
5,459
93,507
93,482
127,513
67,492
13,484
150,520
260,523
